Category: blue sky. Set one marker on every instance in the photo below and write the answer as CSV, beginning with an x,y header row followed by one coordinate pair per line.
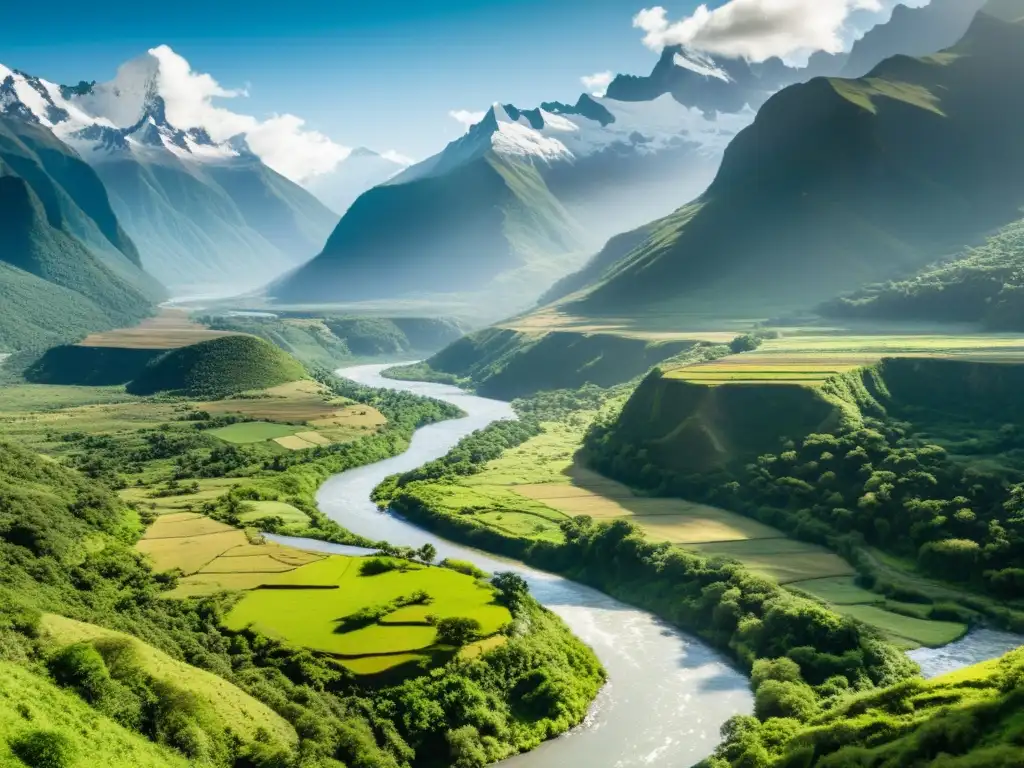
x,y
383,75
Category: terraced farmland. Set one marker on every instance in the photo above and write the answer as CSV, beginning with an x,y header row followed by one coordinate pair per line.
x,y
171,329
809,360
303,598
298,415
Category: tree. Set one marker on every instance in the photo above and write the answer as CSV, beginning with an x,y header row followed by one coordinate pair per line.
x,y
457,630
512,589
427,553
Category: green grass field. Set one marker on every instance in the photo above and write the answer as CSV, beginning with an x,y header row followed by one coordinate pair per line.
x,y
841,590
31,702
924,632
237,710
260,509
253,432
310,617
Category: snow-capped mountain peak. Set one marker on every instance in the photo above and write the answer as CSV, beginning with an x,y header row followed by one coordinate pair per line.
x,y
126,115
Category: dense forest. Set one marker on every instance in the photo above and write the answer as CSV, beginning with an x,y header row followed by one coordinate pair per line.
x,y
984,285
878,479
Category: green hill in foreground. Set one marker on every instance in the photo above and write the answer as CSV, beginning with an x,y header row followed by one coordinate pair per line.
x,y
218,368
970,719
843,182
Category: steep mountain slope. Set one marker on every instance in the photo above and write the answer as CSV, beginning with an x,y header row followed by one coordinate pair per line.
x,y
911,32
840,182
362,170
66,266
521,196
209,216
603,165
488,218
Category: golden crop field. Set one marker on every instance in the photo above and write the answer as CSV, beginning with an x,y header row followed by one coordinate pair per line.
x,y
330,419
811,359
171,329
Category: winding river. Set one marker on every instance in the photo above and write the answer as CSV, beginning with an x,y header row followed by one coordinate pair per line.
x,y
668,694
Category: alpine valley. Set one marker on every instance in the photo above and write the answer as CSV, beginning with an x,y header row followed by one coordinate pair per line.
x,y
209,217
528,194
712,449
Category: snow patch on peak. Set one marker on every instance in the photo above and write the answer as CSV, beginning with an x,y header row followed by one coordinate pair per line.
x,y
700,63
518,139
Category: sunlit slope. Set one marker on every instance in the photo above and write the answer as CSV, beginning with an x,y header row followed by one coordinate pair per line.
x,y
447,233
840,182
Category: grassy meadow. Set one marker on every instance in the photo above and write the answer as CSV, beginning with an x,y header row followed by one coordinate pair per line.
x,y
302,598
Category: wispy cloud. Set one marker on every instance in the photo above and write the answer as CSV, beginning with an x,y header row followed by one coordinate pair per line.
x,y
756,29
397,157
467,118
282,141
598,82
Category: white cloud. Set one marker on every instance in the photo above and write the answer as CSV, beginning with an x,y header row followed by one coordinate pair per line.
x,y
598,82
467,118
397,157
281,141
756,29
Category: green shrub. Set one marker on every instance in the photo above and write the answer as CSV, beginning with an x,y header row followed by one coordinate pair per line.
x,y
81,667
776,698
377,565
44,749
457,630
464,566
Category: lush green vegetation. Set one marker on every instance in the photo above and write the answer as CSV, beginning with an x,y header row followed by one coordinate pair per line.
x,y
498,362
217,368
970,719
749,616
65,550
67,267
916,460
983,285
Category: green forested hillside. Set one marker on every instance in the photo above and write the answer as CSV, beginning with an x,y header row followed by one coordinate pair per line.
x,y
217,368
970,719
398,239
842,182
984,285
63,272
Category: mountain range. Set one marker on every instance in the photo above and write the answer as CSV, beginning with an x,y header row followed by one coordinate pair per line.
x,y
207,216
837,182
519,201
67,266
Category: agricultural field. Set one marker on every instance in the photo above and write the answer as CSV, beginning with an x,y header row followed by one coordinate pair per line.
x,y
250,432
310,617
810,359
531,489
171,329
651,326
70,409
302,597
298,415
